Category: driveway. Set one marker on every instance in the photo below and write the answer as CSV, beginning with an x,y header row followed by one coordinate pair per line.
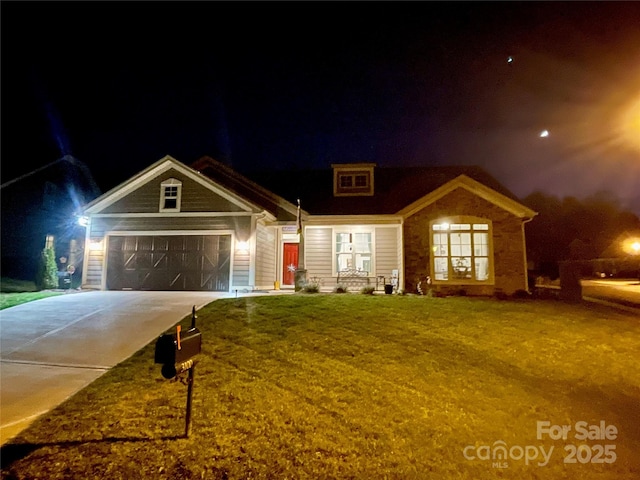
x,y
52,348
623,293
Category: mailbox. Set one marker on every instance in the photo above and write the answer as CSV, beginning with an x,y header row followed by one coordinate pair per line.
x,y
176,351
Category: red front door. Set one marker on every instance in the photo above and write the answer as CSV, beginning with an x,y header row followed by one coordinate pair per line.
x,y
289,263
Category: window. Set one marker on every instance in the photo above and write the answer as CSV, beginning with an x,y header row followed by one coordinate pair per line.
x,y
346,181
461,252
354,179
170,193
361,180
353,251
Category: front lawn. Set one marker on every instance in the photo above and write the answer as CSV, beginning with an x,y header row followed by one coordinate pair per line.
x,y
12,299
361,387
15,292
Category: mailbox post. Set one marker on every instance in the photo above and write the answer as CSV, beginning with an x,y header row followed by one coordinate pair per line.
x,y
176,353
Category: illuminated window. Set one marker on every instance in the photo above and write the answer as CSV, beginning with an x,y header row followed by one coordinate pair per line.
x,y
353,251
461,252
170,193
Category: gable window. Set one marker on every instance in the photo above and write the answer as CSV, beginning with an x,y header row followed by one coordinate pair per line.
x,y
170,195
353,251
349,180
353,179
461,252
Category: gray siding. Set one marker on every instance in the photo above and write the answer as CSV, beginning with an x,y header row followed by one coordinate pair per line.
x,y
194,198
317,252
241,264
387,250
93,270
265,256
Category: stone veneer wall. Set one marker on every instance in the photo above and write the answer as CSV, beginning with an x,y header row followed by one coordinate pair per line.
x,y
508,255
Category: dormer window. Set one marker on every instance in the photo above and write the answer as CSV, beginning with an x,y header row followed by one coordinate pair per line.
x,y
353,179
170,193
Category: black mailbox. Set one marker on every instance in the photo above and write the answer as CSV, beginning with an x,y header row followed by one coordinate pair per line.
x,y
176,351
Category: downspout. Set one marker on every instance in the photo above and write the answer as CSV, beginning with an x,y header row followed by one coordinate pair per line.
x,y
524,254
401,281
85,255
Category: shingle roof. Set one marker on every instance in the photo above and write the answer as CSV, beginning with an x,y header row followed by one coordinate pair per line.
x,y
245,187
394,188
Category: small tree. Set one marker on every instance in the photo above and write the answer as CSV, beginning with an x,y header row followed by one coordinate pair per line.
x,y
48,273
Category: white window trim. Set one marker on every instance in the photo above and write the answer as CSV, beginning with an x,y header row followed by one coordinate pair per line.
x,y
490,255
171,182
352,230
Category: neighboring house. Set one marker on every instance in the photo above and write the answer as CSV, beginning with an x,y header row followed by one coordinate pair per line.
x,y
207,227
620,259
40,208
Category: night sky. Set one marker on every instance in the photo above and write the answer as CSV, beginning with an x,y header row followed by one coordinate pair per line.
x,y
272,85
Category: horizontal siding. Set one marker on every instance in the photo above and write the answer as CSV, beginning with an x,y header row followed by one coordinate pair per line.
x,y
265,257
93,269
194,197
317,253
241,263
387,251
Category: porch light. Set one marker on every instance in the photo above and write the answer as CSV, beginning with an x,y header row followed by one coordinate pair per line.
x,y
83,220
95,245
242,246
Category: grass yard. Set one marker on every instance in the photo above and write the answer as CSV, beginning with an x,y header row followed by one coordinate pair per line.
x,y
15,292
12,299
361,387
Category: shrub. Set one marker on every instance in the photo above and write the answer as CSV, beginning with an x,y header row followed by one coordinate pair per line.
x,y
340,289
311,287
48,272
368,290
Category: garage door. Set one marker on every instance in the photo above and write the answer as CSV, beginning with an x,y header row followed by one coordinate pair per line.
x,y
169,262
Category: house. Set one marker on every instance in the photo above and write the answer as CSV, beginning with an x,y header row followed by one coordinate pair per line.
x,y
40,209
207,227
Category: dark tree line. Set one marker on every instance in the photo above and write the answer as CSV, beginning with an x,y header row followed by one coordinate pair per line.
x,y
574,229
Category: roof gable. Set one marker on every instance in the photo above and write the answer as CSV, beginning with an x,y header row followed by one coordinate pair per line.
x,y
475,187
171,166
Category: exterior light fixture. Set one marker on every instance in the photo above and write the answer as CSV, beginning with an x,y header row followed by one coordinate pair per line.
x,y
83,220
242,246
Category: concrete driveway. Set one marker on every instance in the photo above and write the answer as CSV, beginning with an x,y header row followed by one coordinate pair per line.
x,y
52,348
622,293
